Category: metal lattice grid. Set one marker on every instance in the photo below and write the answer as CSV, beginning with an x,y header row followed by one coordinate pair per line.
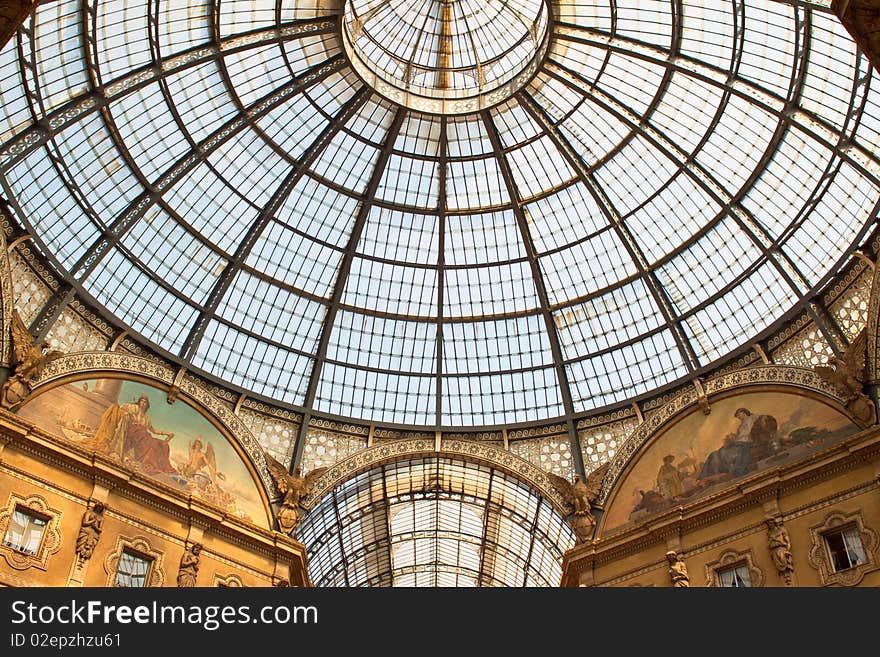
x,y
434,522
674,179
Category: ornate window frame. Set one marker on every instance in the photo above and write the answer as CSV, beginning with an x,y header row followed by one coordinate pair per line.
x,y
50,542
139,544
232,581
821,560
730,558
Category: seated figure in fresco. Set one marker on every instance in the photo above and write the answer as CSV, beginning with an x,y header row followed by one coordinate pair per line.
x,y
754,439
126,432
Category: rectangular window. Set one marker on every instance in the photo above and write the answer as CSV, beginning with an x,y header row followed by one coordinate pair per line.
x,y
132,570
25,531
845,548
734,576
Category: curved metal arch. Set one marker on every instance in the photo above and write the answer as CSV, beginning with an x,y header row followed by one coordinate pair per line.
x,y
732,206
442,164
360,221
114,231
646,273
476,452
729,204
752,93
667,69
224,281
328,527
83,105
540,290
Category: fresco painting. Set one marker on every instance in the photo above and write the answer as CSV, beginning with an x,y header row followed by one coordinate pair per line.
x,y
132,423
743,434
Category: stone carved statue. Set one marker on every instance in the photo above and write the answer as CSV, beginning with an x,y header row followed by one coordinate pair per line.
x,y
189,566
294,487
779,543
677,570
848,375
90,530
29,358
581,495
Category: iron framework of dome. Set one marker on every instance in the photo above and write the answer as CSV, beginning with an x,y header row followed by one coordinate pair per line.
x,y
672,181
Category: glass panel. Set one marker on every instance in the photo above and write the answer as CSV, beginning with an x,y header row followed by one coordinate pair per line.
x,y
434,522
687,172
845,548
735,577
132,570
25,531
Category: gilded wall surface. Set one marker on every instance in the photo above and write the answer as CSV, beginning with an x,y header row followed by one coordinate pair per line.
x,y
773,487
89,514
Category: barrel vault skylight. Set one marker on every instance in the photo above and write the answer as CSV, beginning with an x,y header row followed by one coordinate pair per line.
x,y
435,522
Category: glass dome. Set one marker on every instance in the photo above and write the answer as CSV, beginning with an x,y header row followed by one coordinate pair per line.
x,y
668,182
448,56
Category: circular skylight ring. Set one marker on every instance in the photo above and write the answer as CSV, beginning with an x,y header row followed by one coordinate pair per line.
x,y
451,59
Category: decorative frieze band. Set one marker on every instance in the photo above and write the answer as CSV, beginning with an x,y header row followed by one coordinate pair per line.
x,y
466,449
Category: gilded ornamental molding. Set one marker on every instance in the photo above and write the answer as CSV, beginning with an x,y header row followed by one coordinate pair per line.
x,y
7,296
465,449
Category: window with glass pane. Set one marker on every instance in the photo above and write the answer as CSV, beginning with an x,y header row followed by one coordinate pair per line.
x,y
845,548
132,570
25,531
734,576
